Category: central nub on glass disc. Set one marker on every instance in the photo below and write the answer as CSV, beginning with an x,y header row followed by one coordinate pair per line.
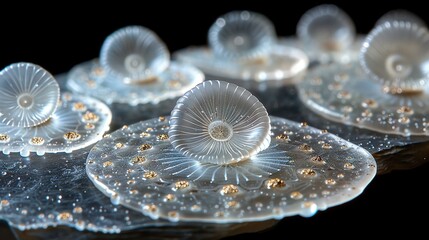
x,y
220,131
25,101
134,63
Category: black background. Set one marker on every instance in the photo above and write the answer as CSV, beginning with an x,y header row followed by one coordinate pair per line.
x,y
61,35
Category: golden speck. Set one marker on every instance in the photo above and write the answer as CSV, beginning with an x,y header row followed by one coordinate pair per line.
x,y
65,216
296,195
90,117
181,184
326,192
144,134
172,214
72,136
219,214
149,129
77,210
174,83
405,110
326,146
161,118
99,71
4,138
138,160
130,182
349,166
90,83
229,189
307,172
324,131
4,203
305,148
107,164
317,159
369,103
37,141
340,175
316,81
169,197
67,96
341,77
89,126
150,208
124,127
150,175
162,136
275,183
79,107
283,137
347,109
107,135
344,95
308,204
119,145
303,124
232,204
404,120
145,147
307,137
129,171
195,208
134,191
330,181
107,176
147,195
366,113
335,86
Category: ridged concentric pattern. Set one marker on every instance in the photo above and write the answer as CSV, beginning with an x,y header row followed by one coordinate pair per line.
x,y
77,123
326,27
28,95
303,170
89,78
219,122
346,94
134,54
397,55
400,15
241,34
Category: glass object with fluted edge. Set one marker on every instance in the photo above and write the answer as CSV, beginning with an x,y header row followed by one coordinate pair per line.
x,y
227,123
220,148
326,27
35,118
243,45
134,68
400,15
327,35
134,54
386,90
28,95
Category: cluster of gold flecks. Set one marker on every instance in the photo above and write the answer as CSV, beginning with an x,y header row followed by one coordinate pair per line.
x,y
231,190
368,104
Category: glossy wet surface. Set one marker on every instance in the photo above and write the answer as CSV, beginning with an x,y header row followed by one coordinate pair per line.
x,y
396,190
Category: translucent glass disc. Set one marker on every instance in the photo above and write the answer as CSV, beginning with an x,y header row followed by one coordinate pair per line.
x,y
303,170
28,95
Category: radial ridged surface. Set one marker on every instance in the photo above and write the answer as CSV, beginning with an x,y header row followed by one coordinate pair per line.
x,y
400,15
303,170
78,122
219,122
241,34
28,95
396,54
326,27
134,54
